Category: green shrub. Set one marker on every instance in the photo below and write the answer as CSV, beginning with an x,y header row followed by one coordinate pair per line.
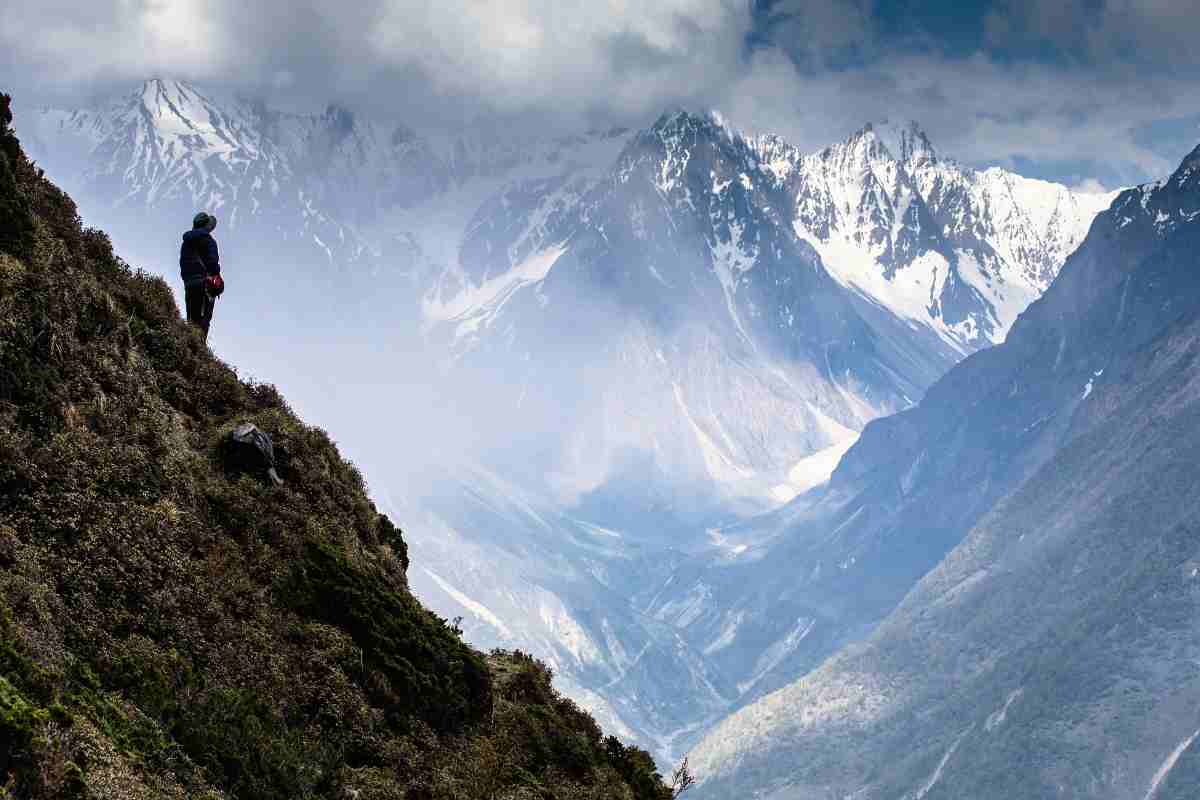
x,y
427,671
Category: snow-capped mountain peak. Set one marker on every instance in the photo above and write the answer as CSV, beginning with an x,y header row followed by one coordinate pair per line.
x,y
906,142
1166,204
949,247
677,121
178,111
166,141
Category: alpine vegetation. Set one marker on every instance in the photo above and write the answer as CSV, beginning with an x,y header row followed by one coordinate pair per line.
x,y
173,623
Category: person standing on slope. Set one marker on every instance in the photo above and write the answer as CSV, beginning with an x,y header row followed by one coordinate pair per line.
x,y
200,268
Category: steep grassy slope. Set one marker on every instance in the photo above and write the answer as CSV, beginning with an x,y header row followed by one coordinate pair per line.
x,y
173,626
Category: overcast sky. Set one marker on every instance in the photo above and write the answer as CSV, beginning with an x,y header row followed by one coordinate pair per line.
x,y
1094,92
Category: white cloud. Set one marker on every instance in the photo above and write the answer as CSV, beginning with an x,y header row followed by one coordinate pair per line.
x,y
976,109
1091,186
69,42
534,61
535,53
575,55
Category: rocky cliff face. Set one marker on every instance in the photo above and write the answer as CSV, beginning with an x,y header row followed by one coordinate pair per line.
x,y
1046,486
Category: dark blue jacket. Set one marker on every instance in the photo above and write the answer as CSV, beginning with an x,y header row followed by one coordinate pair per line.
x,y
198,256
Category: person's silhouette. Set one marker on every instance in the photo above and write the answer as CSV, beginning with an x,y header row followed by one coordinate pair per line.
x,y
200,268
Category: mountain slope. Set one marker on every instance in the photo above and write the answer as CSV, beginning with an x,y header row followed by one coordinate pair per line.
x,y
764,303
650,332
558,585
680,323
1052,651
171,624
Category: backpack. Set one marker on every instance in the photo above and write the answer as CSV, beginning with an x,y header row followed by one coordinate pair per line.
x,y
251,449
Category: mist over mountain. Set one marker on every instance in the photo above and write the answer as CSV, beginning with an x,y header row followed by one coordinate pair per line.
x,y
608,359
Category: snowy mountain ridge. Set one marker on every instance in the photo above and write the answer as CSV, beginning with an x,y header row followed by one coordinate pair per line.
x,y
959,250
922,247
344,186
954,249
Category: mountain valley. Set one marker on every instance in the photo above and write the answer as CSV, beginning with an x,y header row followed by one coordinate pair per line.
x,y
669,338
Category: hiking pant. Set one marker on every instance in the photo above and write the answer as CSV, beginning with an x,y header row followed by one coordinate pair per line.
x,y
199,306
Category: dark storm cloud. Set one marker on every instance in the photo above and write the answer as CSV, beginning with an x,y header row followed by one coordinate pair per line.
x,y
1106,34
1085,83
816,35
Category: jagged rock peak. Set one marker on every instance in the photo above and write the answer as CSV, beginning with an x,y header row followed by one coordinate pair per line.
x,y
681,121
1163,204
905,142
